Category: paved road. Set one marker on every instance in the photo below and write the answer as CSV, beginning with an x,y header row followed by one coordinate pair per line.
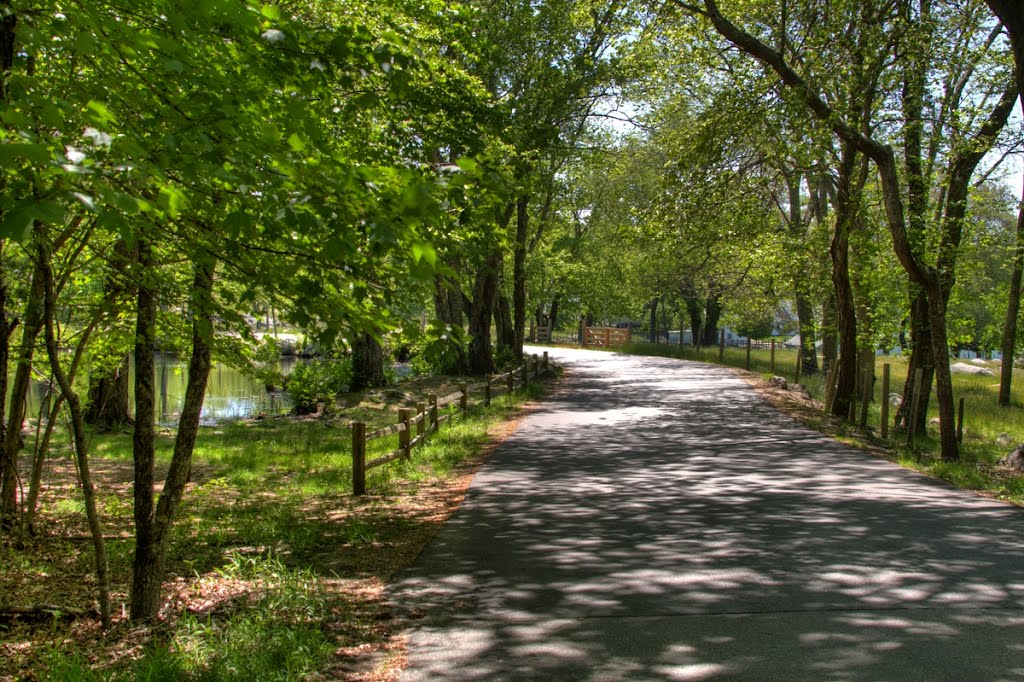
x,y
655,519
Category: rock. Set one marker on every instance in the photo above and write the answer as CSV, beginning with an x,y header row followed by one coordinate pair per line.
x,y
802,390
895,399
779,382
934,421
1014,459
1004,439
979,362
964,368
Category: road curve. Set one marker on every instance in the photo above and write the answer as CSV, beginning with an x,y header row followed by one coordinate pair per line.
x,y
656,519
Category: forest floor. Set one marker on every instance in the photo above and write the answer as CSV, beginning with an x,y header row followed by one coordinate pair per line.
x,y
252,524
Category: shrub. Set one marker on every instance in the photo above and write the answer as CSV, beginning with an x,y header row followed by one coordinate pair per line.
x,y
319,381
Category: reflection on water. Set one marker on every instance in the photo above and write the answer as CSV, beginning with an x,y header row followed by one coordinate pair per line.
x,y
230,393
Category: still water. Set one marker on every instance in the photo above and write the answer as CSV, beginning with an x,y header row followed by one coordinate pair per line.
x,y
230,393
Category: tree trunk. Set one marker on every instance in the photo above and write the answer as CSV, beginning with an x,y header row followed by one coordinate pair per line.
x,y
151,544
829,332
839,250
367,362
13,441
38,459
653,333
108,402
1009,347
503,326
519,274
66,382
146,578
553,315
712,313
696,315
481,310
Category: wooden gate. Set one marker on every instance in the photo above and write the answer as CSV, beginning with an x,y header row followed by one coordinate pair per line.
x,y
605,337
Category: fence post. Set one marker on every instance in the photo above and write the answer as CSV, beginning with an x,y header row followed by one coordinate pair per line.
x,y
464,398
748,354
607,337
583,332
960,423
510,379
404,436
868,387
884,425
545,365
358,457
771,358
421,426
526,370
799,361
487,392
433,410
915,404
721,346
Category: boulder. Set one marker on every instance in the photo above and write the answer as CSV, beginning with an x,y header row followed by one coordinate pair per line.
x,y
779,382
1014,458
1004,439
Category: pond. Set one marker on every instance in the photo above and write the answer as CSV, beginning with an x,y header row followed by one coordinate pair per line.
x,y
230,393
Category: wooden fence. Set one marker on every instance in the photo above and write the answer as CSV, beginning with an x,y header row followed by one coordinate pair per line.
x,y
412,429
605,337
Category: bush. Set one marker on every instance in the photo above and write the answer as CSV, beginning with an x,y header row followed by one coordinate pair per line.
x,y
440,349
319,381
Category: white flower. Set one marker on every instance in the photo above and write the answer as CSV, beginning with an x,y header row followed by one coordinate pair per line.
x,y
317,64
272,35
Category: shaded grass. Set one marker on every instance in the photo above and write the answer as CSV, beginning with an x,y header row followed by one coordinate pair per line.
x,y
270,501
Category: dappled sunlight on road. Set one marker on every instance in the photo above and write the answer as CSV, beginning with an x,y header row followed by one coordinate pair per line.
x,y
655,519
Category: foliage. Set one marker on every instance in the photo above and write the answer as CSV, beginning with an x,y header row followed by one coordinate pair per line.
x,y
319,381
438,349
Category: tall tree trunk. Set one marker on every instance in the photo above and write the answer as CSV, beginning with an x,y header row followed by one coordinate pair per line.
x,y
829,331
804,309
481,310
81,443
653,333
151,546
553,315
503,326
13,441
712,313
846,384
696,315
1009,346
367,362
921,357
519,273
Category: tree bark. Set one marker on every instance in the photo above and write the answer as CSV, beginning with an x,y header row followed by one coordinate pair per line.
x,y
839,250
696,315
367,362
712,313
653,333
1009,345
504,328
519,274
66,382
31,326
108,403
151,547
481,310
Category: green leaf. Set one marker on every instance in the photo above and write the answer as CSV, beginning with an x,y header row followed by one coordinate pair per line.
x,y
467,164
34,153
172,200
100,114
17,223
425,252
272,12
296,143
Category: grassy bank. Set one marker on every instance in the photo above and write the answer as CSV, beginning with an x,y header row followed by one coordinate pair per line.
x,y
990,431
276,570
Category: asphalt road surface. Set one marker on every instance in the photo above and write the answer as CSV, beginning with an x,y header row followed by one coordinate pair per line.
x,y
655,519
